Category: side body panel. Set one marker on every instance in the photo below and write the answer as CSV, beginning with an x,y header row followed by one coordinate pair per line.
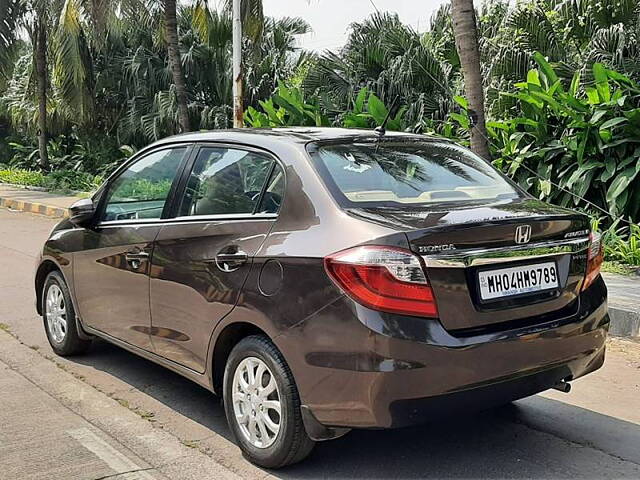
x,y
190,292
112,295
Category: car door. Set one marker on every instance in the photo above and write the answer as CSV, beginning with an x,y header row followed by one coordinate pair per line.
x,y
111,270
228,203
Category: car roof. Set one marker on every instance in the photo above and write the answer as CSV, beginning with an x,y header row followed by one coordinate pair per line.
x,y
263,137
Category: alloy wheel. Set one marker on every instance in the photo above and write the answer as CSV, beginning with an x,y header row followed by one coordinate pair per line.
x,y
256,402
56,313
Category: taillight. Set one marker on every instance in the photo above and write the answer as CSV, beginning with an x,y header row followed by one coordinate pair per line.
x,y
383,278
595,256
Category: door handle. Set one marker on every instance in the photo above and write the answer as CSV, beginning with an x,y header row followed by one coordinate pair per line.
x,y
229,262
135,259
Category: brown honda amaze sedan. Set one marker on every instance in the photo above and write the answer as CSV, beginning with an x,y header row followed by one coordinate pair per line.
x,y
322,280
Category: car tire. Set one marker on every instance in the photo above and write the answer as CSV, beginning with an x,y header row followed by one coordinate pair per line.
x,y
290,444
59,317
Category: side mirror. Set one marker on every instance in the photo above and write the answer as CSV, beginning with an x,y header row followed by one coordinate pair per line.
x,y
82,212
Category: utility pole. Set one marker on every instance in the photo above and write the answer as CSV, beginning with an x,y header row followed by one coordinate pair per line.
x,y
238,108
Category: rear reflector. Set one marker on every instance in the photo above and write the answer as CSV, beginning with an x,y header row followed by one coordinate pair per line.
x,y
595,257
383,278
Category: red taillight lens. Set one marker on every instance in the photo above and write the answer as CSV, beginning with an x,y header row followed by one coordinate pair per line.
x,y
383,278
595,257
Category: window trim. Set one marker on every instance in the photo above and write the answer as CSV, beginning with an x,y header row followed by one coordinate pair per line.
x,y
181,187
192,219
169,214
106,189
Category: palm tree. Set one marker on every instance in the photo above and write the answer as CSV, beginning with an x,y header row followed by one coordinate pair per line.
x,y
32,17
252,14
572,36
466,35
40,60
175,62
58,31
391,60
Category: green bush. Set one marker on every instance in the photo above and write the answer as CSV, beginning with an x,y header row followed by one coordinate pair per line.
x,y
585,138
71,180
63,180
22,177
623,244
285,108
91,154
288,107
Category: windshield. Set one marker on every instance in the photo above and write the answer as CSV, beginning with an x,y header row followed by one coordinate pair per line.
x,y
403,173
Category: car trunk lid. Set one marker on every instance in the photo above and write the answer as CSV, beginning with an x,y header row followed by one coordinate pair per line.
x,y
459,243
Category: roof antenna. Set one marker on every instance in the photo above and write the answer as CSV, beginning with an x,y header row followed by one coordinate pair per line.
x,y
382,129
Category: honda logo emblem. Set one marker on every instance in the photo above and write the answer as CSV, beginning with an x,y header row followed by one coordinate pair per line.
x,y
523,234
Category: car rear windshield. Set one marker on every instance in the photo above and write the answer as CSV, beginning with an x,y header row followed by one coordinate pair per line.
x,y
389,173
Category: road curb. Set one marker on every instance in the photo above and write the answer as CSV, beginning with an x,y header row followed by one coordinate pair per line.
x,y
33,207
624,322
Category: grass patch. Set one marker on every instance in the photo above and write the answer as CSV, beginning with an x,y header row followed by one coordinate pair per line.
x,y
190,443
618,268
5,327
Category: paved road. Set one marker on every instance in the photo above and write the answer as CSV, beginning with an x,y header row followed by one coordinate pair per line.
x,y
593,432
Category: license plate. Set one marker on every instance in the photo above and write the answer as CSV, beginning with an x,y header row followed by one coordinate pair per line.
x,y
507,282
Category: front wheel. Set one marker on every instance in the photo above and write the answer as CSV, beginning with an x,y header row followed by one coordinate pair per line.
x,y
60,318
262,405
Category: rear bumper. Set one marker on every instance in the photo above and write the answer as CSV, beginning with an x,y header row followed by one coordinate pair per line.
x,y
363,369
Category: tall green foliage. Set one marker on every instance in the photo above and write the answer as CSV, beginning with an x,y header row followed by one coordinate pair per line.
x,y
288,107
585,137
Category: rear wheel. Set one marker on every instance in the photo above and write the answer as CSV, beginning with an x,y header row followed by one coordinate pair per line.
x,y
262,405
60,317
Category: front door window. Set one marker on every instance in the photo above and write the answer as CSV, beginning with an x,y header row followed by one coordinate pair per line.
x,y
141,191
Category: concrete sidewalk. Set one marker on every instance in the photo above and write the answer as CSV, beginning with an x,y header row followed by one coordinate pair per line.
x,y
35,201
624,292
56,426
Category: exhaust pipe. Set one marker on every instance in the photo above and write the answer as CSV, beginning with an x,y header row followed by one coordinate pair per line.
x,y
562,386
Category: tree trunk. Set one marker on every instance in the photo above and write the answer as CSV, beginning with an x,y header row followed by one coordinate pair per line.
x,y
238,103
41,78
175,63
466,35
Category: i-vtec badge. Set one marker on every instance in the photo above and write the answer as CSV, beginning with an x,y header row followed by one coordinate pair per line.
x,y
523,234
436,248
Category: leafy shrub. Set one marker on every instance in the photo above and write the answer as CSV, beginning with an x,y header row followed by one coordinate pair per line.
x,y
288,107
63,180
369,111
71,180
92,154
22,177
622,244
584,138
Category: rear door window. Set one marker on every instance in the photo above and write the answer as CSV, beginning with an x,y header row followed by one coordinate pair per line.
x,y
274,192
407,173
225,181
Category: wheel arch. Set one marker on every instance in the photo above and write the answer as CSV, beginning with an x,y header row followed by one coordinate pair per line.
x,y
47,266
44,269
230,335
